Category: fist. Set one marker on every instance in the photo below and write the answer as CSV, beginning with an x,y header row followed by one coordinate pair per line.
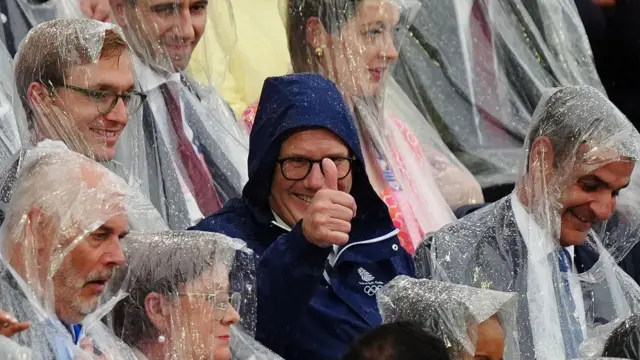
x,y
9,326
96,9
328,218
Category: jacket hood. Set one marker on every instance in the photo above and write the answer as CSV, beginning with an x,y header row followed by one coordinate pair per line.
x,y
294,103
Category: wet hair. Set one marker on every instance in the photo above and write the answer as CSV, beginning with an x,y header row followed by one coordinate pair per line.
x,y
331,13
40,59
624,341
573,116
164,262
397,341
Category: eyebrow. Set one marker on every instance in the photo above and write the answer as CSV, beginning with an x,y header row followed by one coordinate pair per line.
x,y
164,5
299,155
600,182
110,230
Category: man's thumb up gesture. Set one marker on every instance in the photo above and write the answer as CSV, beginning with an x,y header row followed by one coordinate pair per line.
x,y
328,219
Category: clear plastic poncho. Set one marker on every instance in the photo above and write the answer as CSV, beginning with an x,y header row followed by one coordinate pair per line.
x,y
184,147
60,246
191,296
79,89
355,43
9,136
453,313
542,240
476,70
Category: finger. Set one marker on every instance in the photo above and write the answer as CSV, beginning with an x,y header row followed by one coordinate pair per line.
x,y
340,212
87,345
342,198
103,11
6,318
16,328
337,238
330,174
338,225
87,9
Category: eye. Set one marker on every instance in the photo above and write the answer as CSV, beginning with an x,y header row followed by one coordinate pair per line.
x,y
588,187
100,236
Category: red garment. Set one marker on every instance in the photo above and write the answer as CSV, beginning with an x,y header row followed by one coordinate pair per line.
x,y
201,180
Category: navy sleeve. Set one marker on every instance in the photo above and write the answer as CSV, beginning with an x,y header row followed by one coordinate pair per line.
x,y
288,272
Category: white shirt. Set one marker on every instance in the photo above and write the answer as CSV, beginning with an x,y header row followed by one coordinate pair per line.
x,y
150,82
529,229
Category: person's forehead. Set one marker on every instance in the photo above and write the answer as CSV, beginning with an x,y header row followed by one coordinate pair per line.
x,y
385,11
113,72
212,280
313,141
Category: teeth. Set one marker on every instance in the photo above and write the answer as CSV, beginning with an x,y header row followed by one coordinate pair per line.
x,y
579,218
304,198
105,133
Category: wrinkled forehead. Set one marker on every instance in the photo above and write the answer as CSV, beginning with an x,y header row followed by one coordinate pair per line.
x,y
590,157
213,279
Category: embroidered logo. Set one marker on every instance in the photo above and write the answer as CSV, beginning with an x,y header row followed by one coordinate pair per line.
x,y
365,275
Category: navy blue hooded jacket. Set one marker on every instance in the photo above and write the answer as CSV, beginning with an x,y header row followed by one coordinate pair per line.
x,y
312,301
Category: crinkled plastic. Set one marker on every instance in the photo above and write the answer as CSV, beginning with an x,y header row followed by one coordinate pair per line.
x,y
354,43
10,350
185,147
186,290
451,312
9,136
78,89
580,153
476,70
60,245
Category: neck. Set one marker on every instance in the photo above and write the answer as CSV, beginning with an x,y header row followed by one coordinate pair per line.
x,y
152,349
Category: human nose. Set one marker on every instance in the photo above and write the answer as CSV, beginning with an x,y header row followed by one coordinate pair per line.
x,y
603,207
119,113
315,178
389,50
186,26
114,255
231,316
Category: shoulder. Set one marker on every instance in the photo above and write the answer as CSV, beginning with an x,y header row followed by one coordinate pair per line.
x,y
234,220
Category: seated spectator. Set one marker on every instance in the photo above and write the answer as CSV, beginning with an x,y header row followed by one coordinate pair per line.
x,y
397,341
540,241
60,245
474,323
181,304
408,165
324,240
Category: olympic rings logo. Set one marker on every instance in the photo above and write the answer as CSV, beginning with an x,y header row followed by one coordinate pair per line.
x,y
371,290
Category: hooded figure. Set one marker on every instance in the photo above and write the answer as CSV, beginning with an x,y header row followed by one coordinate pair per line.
x,y
541,241
324,240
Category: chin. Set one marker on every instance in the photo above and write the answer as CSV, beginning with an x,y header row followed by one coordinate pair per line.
x,y
222,354
573,238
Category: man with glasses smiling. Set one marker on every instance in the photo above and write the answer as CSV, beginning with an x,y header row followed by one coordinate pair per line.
x,y
324,240
78,89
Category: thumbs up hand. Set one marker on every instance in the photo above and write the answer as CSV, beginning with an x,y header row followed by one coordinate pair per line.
x,y
328,218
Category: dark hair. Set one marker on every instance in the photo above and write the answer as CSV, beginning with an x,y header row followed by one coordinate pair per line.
x,y
331,13
161,262
624,341
41,59
572,116
397,341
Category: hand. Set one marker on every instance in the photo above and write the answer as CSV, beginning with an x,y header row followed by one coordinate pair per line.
x,y
328,219
9,326
96,9
90,352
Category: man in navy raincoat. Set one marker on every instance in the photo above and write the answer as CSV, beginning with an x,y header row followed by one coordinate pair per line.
x,y
324,239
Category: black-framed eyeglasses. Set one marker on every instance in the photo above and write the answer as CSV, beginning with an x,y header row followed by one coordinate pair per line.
x,y
106,100
298,168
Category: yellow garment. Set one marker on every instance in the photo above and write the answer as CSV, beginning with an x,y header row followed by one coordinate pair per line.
x,y
259,50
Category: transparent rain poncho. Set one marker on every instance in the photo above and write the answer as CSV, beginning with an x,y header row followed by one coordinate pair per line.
x,y
184,147
9,137
10,350
191,296
354,43
60,246
454,313
78,89
476,70
543,240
